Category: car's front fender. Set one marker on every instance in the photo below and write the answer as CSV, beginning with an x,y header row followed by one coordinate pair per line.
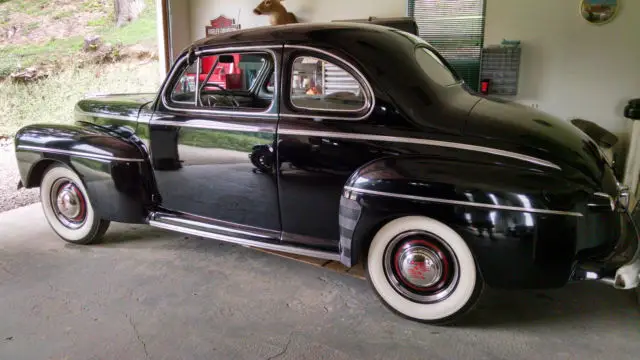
x,y
115,170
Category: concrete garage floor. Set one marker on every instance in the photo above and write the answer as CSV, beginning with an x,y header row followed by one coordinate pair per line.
x,y
151,294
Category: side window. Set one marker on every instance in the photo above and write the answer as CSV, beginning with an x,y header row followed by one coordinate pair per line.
x,y
271,83
224,82
184,90
317,84
234,72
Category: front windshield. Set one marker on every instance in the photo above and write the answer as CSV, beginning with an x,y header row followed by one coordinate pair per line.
x,y
434,67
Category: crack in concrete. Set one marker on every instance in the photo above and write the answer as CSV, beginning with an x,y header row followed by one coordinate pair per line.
x,y
135,330
284,349
6,270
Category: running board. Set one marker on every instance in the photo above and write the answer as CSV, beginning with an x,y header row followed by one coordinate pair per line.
x,y
248,243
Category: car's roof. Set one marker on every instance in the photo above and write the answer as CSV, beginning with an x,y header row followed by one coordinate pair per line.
x,y
286,33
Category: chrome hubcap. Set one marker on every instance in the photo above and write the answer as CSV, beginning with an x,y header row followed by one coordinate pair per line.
x,y
68,203
421,267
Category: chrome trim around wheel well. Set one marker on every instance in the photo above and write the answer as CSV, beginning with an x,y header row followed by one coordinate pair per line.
x,y
463,203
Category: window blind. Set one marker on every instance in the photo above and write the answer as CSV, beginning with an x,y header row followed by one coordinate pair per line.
x,y
456,29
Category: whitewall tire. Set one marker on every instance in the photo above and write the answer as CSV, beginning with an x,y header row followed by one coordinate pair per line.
x,y
423,270
67,208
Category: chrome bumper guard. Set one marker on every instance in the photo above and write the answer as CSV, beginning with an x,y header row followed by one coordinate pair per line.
x,y
626,276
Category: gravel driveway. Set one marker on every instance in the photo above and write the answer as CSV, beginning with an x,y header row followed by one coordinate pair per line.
x,y
10,197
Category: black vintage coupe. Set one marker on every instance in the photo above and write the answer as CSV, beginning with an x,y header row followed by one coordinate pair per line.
x,y
347,142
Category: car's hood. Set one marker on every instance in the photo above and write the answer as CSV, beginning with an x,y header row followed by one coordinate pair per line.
x,y
117,106
526,130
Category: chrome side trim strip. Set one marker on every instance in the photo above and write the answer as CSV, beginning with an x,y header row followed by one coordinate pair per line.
x,y
213,227
249,243
406,140
107,116
370,99
462,203
78,154
213,125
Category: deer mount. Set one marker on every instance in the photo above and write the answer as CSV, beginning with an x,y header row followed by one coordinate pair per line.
x,y
277,12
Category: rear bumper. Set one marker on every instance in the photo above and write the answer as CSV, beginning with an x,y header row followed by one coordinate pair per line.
x,y
622,268
628,275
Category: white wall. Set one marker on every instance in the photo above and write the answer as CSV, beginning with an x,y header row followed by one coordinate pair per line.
x,y
570,67
202,11
180,19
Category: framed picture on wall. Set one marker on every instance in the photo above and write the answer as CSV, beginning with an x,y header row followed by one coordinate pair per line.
x,y
599,11
220,25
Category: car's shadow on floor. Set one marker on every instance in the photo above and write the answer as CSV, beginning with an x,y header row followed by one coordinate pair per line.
x,y
132,236
575,303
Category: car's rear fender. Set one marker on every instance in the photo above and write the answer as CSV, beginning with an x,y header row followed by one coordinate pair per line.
x,y
526,228
114,169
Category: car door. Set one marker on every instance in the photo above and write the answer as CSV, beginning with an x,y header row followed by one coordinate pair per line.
x,y
214,112
325,103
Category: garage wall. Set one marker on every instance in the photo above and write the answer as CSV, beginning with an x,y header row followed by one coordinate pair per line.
x,y
202,11
569,67
179,22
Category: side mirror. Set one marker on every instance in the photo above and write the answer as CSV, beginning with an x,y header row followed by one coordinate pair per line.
x,y
226,59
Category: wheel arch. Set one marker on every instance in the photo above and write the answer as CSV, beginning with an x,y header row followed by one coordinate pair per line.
x,y
459,196
37,171
114,170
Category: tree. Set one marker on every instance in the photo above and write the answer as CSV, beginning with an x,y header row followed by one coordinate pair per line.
x,y
128,10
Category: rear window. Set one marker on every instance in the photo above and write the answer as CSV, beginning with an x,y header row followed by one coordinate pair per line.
x,y
434,67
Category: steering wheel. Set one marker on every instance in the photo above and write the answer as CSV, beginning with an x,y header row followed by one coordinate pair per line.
x,y
228,95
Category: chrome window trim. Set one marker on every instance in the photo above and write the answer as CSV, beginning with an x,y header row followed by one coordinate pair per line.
x,y
106,116
265,49
78,154
367,102
418,141
463,203
369,94
199,65
245,242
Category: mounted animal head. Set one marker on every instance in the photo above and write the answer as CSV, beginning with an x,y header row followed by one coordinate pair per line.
x,y
278,14
267,7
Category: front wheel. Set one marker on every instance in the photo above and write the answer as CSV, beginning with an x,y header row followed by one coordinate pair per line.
x,y
67,207
423,270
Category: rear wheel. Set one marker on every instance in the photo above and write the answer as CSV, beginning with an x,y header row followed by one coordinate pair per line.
x,y
423,270
67,207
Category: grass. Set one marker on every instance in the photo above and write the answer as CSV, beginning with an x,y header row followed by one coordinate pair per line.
x,y
100,22
142,30
15,57
32,26
52,100
63,15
